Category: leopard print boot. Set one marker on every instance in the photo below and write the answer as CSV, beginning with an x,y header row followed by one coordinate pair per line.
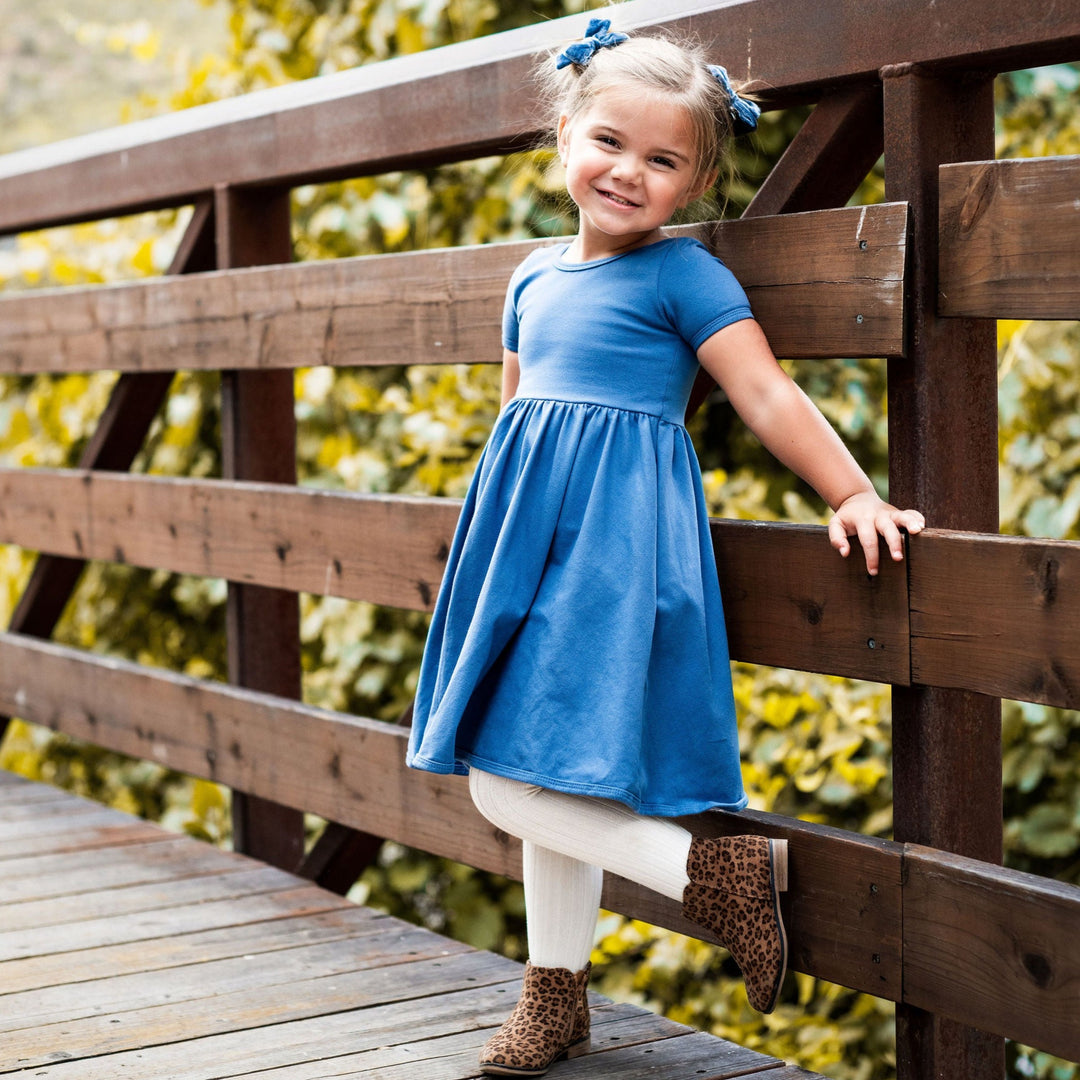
x,y
734,891
549,1022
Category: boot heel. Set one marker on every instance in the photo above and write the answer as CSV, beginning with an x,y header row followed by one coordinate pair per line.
x,y
579,1048
778,855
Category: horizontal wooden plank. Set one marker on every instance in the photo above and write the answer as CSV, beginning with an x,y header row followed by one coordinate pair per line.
x,y
476,98
993,948
138,899
789,599
826,283
1010,239
353,770
315,919
393,943
51,876
197,916
289,1042
234,1010
386,549
996,614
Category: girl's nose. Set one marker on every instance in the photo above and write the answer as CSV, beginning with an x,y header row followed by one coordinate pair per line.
x,y
625,168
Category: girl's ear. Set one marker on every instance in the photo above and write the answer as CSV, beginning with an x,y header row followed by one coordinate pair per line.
x,y
563,137
700,186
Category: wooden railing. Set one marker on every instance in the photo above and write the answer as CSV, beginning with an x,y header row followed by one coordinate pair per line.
x,y
927,920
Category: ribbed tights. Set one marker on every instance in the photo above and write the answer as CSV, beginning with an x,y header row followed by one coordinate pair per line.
x,y
568,841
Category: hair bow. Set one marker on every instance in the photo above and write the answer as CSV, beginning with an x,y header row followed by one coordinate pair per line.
x,y
598,35
744,113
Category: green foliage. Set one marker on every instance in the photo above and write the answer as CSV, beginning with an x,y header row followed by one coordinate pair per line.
x,y
813,747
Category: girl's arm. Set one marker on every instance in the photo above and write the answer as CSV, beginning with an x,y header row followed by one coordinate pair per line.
x,y
510,374
790,426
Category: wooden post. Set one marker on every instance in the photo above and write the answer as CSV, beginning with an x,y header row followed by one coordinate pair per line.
x,y
258,434
943,461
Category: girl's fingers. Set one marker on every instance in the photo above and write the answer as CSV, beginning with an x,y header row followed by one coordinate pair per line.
x,y
893,539
838,536
911,520
868,537
869,527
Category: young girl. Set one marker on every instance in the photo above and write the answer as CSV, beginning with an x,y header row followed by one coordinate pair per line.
x,y
577,665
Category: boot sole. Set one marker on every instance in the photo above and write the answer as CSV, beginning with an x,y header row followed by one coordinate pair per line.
x,y
572,1051
778,858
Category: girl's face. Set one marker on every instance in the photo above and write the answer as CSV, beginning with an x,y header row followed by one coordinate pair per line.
x,y
630,164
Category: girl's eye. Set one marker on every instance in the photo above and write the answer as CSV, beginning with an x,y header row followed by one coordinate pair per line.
x,y
666,162
607,140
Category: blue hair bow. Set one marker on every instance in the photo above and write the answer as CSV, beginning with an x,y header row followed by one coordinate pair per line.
x,y
744,113
598,35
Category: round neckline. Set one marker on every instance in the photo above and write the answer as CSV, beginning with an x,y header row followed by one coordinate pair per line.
x,y
564,264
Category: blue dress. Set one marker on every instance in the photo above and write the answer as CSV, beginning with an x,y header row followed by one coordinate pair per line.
x,y
578,639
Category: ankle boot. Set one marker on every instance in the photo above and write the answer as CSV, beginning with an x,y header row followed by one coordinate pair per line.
x,y
734,891
549,1022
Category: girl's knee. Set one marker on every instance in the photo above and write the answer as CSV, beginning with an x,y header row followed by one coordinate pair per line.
x,y
502,801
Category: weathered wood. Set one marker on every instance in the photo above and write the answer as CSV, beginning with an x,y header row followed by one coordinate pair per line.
x,y
292,1042
339,856
313,920
1010,239
352,771
273,535
475,98
121,431
194,917
943,439
993,948
250,1007
52,877
788,598
791,601
87,833
821,167
997,615
392,944
296,983
137,899
258,442
822,284
830,156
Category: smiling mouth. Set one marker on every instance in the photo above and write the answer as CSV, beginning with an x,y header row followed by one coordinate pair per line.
x,y
618,200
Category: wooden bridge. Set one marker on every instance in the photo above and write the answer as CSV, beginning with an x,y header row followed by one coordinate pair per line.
x,y
129,953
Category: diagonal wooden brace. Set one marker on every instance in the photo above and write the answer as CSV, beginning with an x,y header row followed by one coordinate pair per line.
x,y
821,169
121,431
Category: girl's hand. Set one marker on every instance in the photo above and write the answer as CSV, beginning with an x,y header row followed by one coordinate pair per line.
x,y
866,516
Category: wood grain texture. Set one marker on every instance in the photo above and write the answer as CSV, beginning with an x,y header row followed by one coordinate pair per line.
x,y
789,599
313,989
475,98
352,770
993,948
826,283
1010,239
998,615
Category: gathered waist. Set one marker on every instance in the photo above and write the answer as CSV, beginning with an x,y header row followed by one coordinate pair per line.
x,y
605,405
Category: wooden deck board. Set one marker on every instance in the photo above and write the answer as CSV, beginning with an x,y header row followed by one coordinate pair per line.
x,y
128,952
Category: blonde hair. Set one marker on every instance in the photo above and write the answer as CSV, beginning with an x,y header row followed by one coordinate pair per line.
x,y
677,70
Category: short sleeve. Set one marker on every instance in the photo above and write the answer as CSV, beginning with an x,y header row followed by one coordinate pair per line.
x,y
699,293
510,317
